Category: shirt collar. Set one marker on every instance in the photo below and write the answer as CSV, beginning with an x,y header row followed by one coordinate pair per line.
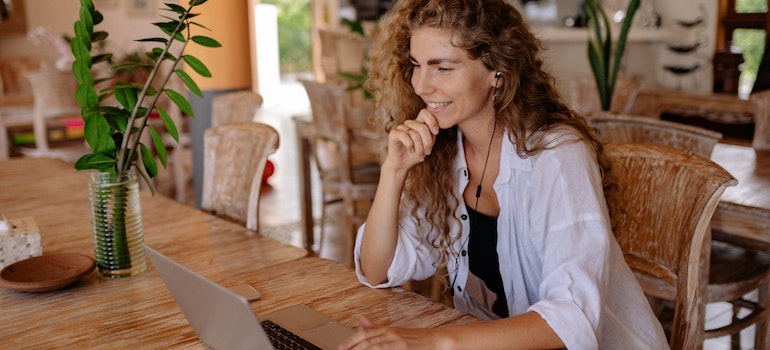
x,y
512,159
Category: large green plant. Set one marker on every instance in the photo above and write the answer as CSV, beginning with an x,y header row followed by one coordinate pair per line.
x,y
604,60
113,131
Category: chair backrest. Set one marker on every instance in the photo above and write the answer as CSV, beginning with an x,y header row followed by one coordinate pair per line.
x,y
617,128
12,74
234,160
342,51
54,96
331,137
661,210
234,107
584,97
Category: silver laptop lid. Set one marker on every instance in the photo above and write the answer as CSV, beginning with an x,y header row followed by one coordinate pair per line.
x,y
221,318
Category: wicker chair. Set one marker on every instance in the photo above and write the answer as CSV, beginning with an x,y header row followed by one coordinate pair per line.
x,y
666,241
618,128
585,100
348,174
730,272
234,107
234,159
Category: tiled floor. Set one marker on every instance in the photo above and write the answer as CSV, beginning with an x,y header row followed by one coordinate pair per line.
x,y
279,204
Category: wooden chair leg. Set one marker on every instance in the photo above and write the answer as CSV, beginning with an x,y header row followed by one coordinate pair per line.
x,y
761,328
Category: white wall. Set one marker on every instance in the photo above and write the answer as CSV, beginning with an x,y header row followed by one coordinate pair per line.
x,y
59,16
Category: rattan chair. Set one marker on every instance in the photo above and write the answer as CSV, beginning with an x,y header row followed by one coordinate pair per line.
x,y
619,128
674,264
234,159
234,107
584,99
349,175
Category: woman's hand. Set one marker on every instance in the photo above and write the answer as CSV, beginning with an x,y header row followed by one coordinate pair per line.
x,y
410,142
372,336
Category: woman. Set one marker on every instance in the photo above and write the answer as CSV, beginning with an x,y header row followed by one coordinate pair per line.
x,y
489,175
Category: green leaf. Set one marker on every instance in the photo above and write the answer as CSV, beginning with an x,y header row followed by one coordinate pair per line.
x,y
96,161
131,65
126,95
205,41
99,36
354,26
97,133
101,58
156,40
148,160
197,66
176,8
180,101
168,123
160,147
189,82
85,96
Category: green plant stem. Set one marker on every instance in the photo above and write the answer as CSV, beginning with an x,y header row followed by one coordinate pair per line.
x,y
124,160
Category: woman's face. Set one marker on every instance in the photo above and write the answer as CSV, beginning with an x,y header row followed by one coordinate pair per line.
x,y
456,89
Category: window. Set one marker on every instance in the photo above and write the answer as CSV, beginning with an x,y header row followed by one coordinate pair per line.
x,y
743,25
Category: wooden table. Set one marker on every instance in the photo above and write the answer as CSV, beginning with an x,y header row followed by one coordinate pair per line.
x,y
139,311
714,106
744,211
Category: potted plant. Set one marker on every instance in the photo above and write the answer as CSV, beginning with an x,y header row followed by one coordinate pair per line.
x,y
113,131
605,61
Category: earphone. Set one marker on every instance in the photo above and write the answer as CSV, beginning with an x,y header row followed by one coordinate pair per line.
x,y
498,74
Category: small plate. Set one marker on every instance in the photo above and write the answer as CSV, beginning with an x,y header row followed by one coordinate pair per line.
x,y
47,272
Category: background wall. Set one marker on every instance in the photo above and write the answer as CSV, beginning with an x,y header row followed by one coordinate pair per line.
x,y
58,17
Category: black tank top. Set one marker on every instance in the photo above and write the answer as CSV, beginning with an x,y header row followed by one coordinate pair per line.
x,y
483,259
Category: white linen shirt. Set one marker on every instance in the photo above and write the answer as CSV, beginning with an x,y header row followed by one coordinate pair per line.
x,y
557,254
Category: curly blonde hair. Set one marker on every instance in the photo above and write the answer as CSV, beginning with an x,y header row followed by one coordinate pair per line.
x,y
527,102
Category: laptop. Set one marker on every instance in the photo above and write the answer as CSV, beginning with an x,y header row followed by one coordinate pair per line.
x,y
223,319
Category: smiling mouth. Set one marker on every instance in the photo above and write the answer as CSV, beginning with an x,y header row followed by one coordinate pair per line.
x,y
434,105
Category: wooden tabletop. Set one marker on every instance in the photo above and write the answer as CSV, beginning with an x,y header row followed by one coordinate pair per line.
x,y
139,311
744,210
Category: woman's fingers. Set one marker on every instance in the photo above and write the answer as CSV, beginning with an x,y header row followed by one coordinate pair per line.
x,y
410,142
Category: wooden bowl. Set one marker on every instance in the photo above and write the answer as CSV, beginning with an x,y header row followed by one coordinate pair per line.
x,y
47,272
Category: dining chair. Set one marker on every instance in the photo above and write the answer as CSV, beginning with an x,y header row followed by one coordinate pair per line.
x,y
349,175
584,97
12,74
341,51
661,209
620,128
54,104
234,107
234,159
725,252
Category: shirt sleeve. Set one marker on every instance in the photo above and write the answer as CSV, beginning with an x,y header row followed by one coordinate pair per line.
x,y
570,226
413,259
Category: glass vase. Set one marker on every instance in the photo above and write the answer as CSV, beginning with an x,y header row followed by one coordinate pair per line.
x,y
116,224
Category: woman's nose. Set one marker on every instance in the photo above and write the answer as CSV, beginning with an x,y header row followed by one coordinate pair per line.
x,y
421,82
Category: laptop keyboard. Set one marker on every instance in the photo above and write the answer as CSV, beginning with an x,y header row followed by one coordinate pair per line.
x,y
282,338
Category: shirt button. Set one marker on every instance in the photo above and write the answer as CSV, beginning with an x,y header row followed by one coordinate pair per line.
x,y
464,253
465,172
464,217
459,289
